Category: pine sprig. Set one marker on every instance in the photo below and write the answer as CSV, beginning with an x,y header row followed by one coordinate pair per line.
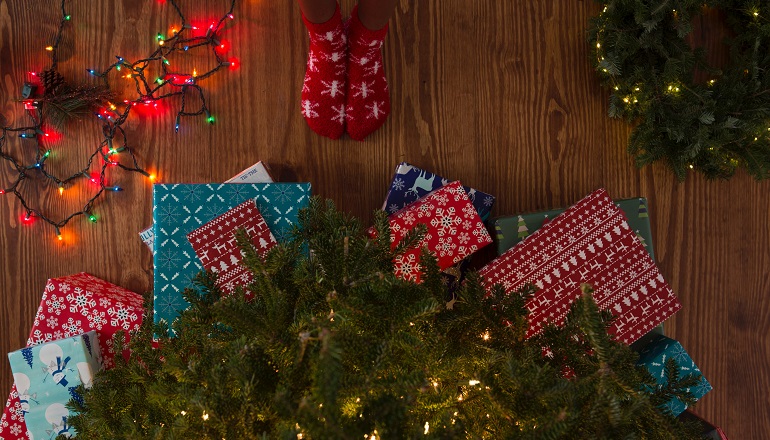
x,y
326,343
640,52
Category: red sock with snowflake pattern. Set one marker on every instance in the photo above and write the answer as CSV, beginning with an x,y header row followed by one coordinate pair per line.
x,y
323,92
368,100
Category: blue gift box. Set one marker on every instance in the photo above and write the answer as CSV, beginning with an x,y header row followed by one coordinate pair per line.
x,y
411,183
181,208
46,377
654,356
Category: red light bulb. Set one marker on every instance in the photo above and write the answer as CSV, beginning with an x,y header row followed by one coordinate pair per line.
x,y
223,47
234,63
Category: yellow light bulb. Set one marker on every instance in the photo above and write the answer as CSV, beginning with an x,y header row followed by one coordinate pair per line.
x,y
49,48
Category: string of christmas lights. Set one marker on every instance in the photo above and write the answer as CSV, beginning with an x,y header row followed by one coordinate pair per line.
x,y
114,148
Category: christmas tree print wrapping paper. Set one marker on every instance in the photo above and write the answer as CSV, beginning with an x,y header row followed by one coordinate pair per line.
x,y
654,357
511,230
411,183
591,242
46,377
70,306
179,209
257,173
454,230
215,244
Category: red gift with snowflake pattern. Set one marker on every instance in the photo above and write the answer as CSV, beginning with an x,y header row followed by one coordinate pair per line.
x,y
71,306
592,243
454,230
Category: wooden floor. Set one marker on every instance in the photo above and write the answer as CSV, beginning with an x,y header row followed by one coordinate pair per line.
x,y
498,94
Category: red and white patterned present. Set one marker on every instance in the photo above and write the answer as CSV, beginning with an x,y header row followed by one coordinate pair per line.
x,y
70,306
454,230
216,247
592,243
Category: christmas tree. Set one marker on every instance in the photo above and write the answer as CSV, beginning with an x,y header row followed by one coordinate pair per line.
x,y
523,230
332,345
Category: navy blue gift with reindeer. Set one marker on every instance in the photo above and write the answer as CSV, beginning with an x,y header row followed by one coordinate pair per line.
x,y
46,377
411,183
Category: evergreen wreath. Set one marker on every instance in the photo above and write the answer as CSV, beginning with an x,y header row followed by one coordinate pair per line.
x,y
714,126
335,346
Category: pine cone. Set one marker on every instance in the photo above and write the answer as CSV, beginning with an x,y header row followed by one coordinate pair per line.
x,y
53,82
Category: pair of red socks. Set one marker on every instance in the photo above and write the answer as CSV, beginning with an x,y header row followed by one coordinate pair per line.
x,y
345,88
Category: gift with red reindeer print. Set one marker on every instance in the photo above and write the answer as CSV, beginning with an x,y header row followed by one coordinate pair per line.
x,y
591,242
454,230
71,306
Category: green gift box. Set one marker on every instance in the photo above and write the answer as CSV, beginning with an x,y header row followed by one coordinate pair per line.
x,y
46,377
654,356
510,230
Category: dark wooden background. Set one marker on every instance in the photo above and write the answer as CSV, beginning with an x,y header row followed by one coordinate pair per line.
x,y
498,94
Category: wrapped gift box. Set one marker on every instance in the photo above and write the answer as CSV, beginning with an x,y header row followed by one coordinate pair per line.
x,y
70,306
179,209
591,242
411,183
654,357
511,230
216,247
257,173
454,230
46,377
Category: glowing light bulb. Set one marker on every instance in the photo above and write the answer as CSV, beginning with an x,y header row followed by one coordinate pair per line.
x,y
67,17
210,119
234,63
61,190
92,218
195,73
223,47
152,177
205,416
58,234
49,48
473,382
2,191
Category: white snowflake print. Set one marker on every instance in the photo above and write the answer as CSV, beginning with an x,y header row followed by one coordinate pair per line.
x,y
339,113
373,69
446,221
55,304
363,90
97,320
104,302
375,110
121,316
169,304
398,184
679,354
489,200
284,194
168,214
305,86
425,210
308,109
445,246
57,335
168,259
72,327
81,301
64,287
393,208
359,60
191,193
334,57
469,212
463,238
15,429
52,322
332,89
406,267
441,199
311,61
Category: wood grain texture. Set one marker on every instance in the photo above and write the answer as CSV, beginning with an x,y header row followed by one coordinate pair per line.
x,y
497,94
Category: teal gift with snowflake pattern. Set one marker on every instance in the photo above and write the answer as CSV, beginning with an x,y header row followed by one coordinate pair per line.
x,y
178,209
654,357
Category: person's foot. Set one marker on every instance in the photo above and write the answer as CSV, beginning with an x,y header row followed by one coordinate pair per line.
x,y
368,99
323,91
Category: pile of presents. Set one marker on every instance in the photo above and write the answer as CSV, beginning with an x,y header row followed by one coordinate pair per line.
x,y
598,241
